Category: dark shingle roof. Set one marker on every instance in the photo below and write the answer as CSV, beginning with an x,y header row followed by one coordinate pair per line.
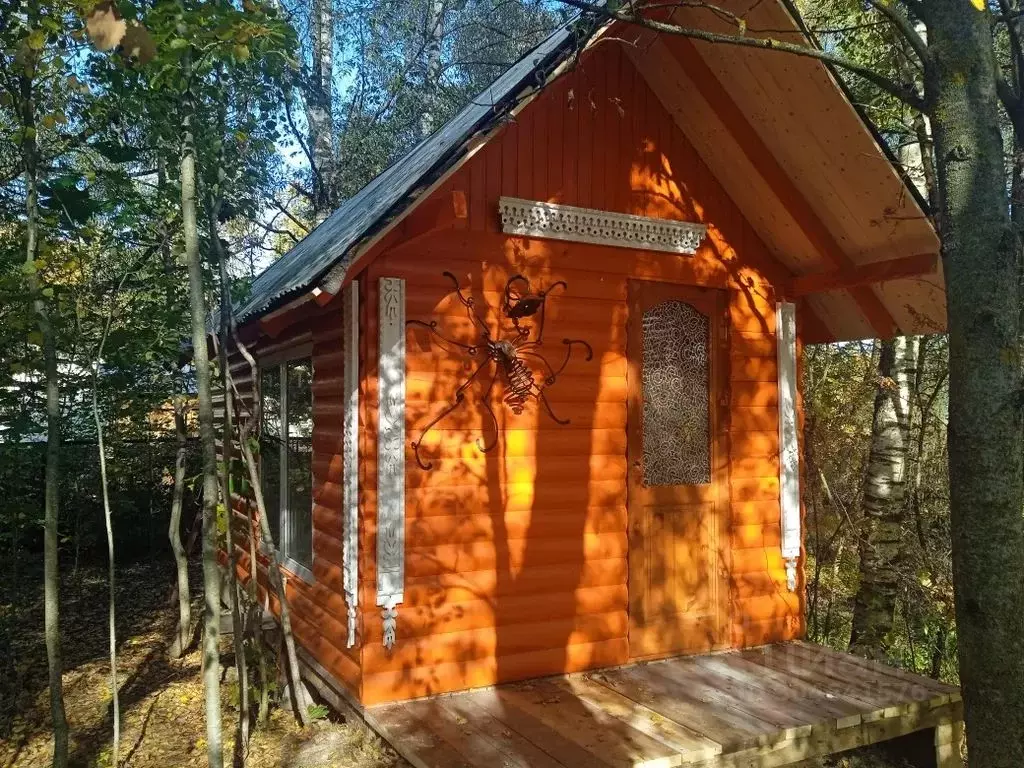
x,y
390,193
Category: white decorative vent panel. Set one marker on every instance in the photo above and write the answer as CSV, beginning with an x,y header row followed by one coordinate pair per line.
x,y
586,225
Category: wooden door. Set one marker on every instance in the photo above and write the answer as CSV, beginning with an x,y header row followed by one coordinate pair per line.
x,y
678,476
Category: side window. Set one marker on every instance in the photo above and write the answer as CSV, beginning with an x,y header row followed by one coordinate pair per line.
x,y
286,447
299,536
270,447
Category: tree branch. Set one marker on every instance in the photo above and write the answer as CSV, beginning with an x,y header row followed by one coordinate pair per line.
x,y
299,138
283,209
1015,46
907,95
902,23
1011,103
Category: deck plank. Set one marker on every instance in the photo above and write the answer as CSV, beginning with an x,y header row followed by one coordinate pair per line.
x,y
871,699
807,701
725,727
565,751
726,692
894,687
606,738
415,738
901,675
492,738
756,708
690,744
846,710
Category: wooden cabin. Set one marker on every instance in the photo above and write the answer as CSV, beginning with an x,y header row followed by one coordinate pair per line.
x,y
531,407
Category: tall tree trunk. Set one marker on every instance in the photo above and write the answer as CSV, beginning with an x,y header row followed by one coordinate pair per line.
x,y
107,518
51,565
226,473
211,571
319,105
181,636
432,69
881,531
986,455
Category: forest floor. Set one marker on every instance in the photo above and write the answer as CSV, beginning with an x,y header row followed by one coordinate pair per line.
x,y
161,699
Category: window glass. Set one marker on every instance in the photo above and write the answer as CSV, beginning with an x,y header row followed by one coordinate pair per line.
x,y
270,447
299,404
676,388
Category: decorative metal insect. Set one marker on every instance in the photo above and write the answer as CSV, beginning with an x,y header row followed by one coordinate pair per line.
x,y
509,356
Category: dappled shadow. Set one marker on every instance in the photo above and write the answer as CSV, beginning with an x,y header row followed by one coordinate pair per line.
x,y
144,624
516,558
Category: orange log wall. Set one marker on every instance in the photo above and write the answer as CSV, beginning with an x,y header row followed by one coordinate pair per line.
x,y
318,610
516,559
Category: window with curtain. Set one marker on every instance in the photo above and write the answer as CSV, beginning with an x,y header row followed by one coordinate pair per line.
x,y
286,448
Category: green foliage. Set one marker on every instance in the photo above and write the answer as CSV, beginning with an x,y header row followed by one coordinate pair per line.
x,y
839,388
318,712
140,477
105,104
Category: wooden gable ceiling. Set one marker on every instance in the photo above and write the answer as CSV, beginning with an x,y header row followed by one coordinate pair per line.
x,y
792,152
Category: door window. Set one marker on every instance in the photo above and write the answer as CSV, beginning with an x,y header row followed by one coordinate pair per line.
x,y
676,385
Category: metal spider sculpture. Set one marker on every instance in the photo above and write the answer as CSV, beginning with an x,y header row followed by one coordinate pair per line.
x,y
509,356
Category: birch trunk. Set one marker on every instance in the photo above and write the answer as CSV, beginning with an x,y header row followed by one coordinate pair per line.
x,y
986,457
881,531
211,571
319,105
432,70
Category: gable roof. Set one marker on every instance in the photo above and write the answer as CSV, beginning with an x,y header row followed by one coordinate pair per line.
x,y
396,187
800,166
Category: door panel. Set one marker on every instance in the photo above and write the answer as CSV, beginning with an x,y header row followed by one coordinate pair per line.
x,y
678,480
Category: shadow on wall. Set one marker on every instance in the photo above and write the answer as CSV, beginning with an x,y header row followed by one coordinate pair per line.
x,y
516,557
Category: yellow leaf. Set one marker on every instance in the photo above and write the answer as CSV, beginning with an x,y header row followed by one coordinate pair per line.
x,y
105,26
979,4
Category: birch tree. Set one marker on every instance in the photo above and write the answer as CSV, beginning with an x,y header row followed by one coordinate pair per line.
x,y
883,524
318,97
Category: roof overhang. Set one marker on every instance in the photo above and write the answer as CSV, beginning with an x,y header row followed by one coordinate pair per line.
x,y
813,179
779,132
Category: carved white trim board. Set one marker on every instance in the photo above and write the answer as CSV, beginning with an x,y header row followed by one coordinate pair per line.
x,y
789,451
533,218
391,455
350,455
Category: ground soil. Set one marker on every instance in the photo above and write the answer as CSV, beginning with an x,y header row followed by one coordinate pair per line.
x,y
161,699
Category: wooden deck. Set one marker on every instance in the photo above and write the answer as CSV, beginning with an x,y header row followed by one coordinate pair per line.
x,y
762,707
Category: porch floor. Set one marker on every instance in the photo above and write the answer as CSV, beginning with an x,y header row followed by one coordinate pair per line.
x,y
769,706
